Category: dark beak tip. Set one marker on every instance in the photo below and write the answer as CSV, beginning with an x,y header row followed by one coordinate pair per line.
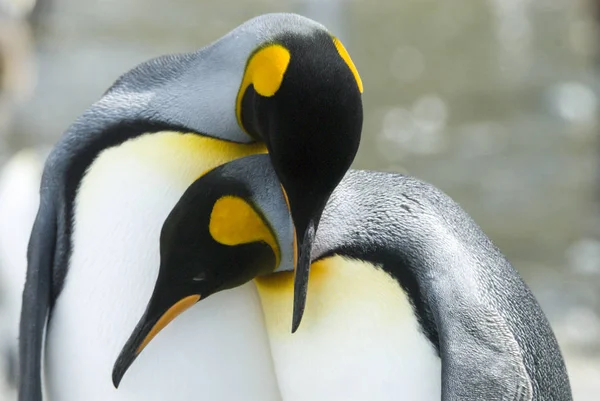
x,y
300,290
119,369
116,378
297,318
302,275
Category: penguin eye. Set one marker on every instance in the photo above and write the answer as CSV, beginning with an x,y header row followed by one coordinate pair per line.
x,y
200,277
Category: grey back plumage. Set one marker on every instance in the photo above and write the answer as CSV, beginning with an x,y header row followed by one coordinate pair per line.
x,y
491,334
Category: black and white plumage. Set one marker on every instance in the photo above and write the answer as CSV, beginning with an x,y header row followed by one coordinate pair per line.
x,y
493,339
279,83
405,297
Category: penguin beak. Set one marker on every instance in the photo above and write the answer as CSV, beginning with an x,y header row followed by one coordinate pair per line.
x,y
229,227
306,221
304,101
157,316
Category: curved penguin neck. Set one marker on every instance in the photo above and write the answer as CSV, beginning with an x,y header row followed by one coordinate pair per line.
x,y
464,291
414,232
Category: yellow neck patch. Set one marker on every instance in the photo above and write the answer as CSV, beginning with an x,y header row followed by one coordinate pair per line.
x,y
339,289
344,55
234,221
175,154
265,72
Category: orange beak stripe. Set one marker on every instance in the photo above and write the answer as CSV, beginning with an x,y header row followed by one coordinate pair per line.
x,y
174,311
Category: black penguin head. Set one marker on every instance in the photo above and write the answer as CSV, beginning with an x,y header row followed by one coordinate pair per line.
x,y
230,226
305,104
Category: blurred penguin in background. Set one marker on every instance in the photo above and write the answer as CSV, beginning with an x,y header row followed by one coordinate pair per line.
x,y
19,198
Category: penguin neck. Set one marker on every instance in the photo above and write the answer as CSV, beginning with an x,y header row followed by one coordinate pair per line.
x,y
120,207
414,232
466,294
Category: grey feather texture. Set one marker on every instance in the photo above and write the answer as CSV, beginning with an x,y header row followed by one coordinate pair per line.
x,y
491,334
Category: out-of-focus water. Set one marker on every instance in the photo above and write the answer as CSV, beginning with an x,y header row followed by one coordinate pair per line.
x,y
493,101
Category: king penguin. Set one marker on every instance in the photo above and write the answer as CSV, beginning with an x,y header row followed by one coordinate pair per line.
x,y
279,85
408,298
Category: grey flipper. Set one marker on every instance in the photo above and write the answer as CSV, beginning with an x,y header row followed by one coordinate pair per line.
x,y
494,341
36,298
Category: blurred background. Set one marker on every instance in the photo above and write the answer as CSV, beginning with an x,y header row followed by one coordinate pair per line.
x,y
493,101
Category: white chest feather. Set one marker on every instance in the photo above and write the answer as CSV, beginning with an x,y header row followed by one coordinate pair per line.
x,y
359,338
217,350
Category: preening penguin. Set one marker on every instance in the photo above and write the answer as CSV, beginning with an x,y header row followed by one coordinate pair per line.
x,y
279,84
408,298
